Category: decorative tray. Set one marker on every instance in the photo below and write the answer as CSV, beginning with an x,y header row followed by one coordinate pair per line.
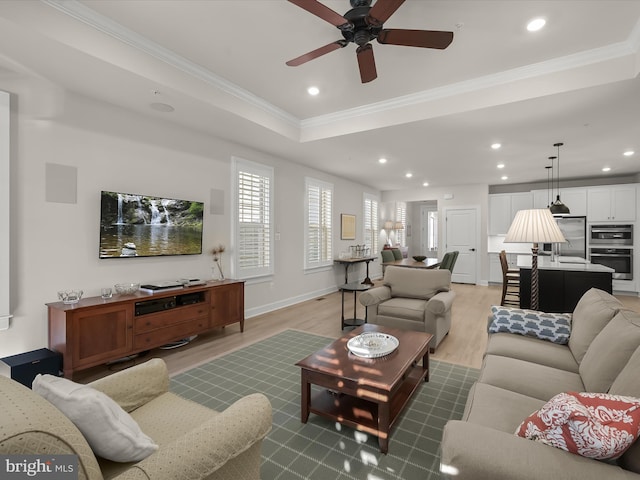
x,y
372,344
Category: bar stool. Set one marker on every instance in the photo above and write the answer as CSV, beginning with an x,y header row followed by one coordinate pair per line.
x,y
510,283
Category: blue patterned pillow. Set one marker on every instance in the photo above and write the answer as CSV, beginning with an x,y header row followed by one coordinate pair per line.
x,y
554,327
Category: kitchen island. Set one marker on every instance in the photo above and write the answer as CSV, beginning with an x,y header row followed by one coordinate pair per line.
x,y
561,283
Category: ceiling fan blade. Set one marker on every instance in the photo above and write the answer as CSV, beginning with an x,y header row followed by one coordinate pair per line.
x,y
367,63
382,10
318,52
319,10
416,38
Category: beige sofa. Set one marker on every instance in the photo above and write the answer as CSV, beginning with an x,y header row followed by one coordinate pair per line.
x,y
520,374
194,441
412,299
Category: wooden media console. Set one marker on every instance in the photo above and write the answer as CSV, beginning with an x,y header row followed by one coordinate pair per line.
x,y
95,331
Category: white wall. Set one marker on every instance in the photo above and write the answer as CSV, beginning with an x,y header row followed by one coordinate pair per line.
x,y
5,212
55,245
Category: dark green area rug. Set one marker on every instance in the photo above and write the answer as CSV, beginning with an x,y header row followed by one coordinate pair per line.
x,y
322,449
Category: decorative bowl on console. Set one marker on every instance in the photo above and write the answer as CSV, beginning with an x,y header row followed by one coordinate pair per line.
x,y
70,297
127,288
419,258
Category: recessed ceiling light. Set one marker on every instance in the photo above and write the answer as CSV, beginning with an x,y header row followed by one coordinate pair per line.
x,y
606,169
425,184
536,24
313,91
500,165
382,160
628,153
496,146
504,177
408,174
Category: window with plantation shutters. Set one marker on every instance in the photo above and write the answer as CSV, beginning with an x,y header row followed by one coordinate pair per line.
x,y
318,229
371,230
253,239
401,224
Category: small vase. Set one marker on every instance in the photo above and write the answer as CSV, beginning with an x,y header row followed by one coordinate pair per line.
x,y
216,271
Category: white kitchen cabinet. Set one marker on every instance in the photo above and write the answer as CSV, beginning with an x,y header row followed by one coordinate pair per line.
x,y
503,208
574,198
614,203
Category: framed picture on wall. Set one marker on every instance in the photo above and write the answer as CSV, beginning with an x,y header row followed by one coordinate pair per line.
x,y
347,227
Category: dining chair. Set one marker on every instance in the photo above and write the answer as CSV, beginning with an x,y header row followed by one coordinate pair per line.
x,y
449,261
510,283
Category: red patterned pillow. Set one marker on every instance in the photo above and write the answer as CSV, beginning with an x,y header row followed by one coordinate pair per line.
x,y
594,425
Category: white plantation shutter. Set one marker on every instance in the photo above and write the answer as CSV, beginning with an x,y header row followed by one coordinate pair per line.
x,y
254,217
318,232
371,223
401,216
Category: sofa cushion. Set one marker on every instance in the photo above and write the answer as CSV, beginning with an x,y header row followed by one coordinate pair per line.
x,y
481,407
416,282
527,378
532,350
109,430
594,310
594,425
610,351
553,327
409,308
628,381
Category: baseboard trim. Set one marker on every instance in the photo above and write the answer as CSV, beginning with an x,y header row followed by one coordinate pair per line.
x,y
287,302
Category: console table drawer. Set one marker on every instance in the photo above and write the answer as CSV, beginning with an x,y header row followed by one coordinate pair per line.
x,y
153,321
169,334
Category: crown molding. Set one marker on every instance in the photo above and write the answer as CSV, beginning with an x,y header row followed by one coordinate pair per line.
x,y
549,67
90,17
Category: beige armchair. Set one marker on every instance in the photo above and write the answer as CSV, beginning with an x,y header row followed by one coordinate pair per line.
x,y
412,299
194,441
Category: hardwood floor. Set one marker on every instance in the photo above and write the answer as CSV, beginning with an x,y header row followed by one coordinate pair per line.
x,y
464,345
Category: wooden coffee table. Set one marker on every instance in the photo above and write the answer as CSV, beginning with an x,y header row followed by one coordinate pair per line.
x,y
367,394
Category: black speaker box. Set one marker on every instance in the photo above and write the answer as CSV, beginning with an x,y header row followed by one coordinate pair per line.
x,y
24,367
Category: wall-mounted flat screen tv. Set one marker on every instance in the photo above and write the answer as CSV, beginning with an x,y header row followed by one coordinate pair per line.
x,y
143,226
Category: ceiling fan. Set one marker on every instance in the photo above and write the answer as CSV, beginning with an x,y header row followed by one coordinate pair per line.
x,y
364,23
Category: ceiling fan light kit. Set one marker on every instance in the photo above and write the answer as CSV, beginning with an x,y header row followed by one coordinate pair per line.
x,y
363,24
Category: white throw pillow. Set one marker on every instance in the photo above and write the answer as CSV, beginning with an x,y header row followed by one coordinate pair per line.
x,y
109,430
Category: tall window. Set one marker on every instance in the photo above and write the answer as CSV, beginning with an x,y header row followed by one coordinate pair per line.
x,y
253,216
318,233
401,221
432,229
371,230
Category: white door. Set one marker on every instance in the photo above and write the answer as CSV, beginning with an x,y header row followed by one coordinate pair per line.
x,y
461,234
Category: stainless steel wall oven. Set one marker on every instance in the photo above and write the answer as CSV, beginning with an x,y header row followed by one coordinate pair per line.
x,y
611,234
620,259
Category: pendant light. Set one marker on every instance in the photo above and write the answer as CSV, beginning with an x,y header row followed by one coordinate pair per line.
x,y
557,207
549,194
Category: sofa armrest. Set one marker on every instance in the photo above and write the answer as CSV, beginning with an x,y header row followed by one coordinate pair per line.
x,y
199,453
441,302
475,452
135,386
375,295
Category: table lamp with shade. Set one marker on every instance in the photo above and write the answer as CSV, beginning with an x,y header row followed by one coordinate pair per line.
x,y
534,226
388,227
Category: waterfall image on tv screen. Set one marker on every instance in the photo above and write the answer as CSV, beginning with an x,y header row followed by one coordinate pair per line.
x,y
144,226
